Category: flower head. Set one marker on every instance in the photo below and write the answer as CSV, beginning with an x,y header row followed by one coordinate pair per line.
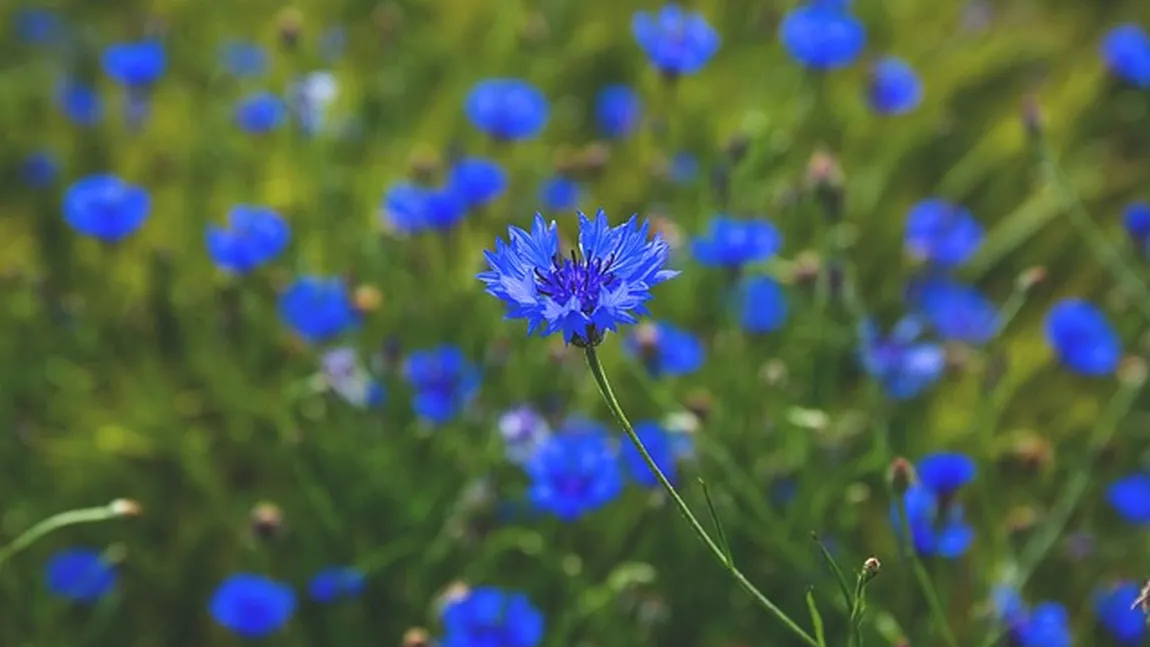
x,y
254,236
79,102
243,59
586,294
335,582
310,98
1118,613
1046,625
106,207
38,25
412,209
507,109
618,110
935,529
252,606
489,617
523,431
762,304
677,41
895,88
135,65
1136,219
822,35
1126,51
559,193
261,112
956,311
659,445
444,382
574,473
1082,338
79,574
944,234
943,473
477,181
734,242
1130,497
39,169
902,365
665,349
318,308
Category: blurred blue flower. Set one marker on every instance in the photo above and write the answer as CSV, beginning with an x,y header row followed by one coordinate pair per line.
x,y
582,296
523,431
243,59
135,65
903,366
252,606
318,308
444,382
477,181
38,26
1126,51
332,42
310,97
1130,497
684,167
574,473
344,374
618,110
942,233
559,193
411,209
895,88
1047,625
664,349
1136,219
335,582
507,109
659,446
489,617
260,112
734,242
80,102
254,236
762,304
1082,338
79,574
104,206
957,312
943,473
1008,606
934,529
822,35
677,41
1117,610
39,169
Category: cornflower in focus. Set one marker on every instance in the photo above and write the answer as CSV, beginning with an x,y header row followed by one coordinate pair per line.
x,y
618,110
105,207
523,431
822,35
444,382
660,446
335,583
259,113
507,109
901,364
733,242
486,616
1082,338
1126,52
676,41
664,349
941,233
574,472
895,88
318,308
252,606
254,236
79,574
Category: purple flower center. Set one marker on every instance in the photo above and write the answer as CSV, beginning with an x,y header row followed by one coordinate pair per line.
x,y
577,278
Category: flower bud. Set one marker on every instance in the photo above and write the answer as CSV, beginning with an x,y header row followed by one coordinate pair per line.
x,y
289,24
125,508
1030,277
902,475
367,298
700,403
871,568
416,637
1132,371
267,520
737,147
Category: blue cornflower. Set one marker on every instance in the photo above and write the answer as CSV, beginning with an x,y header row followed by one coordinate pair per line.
x,y
260,112
895,88
135,65
253,237
733,242
942,233
318,308
507,109
1082,338
583,296
444,382
244,60
39,169
943,473
659,446
903,366
1047,625
310,98
411,209
1130,497
762,304
957,312
79,574
665,349
618,109
1118,613
523,431
935,529
38,26
822,35
335,582
573,473
477,181
104,206
1126,51
1008,606
489,617
559,193
684,167
1136,219
676,40
80,102
252,606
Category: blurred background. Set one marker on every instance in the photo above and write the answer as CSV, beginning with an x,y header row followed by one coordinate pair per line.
x,y
238,249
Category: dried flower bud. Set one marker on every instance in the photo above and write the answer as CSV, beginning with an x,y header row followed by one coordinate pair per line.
x,y
1021,518
267,520
367,298
670,231
774,372
825,178
416,637
700,403
1132,371
535,29
125,508
452,593
593,158
1030,277
1143,600
289,23
425,163
647,339
1033,451
902,475
566,159
807,266
871,568
737,147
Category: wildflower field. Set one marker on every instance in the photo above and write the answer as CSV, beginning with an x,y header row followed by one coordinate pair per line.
x,y
607,323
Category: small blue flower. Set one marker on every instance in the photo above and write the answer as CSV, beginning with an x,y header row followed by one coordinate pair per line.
x,y
934,529
658,444
684,168
582,296
410,209
1118,613
559,193
942,233
1126,51
79,574
261,112
618,110
507,109
903,366
895,88
254,236
106,207
318,309
957,312
1008,606
665,349
943,473
244,60
489,617
574,473
310,99
822,35
477,181
252,606
1082,338
39,169
80,102
334,583
1130,497
762,304
444,382
135,65
733,242
1136,219
38,26
1047,625
523,431
676,41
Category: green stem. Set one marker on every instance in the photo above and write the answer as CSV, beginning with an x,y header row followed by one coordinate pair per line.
x,y
716,552
55,522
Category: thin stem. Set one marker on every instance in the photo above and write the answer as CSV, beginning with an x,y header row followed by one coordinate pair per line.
x,y
55,522
716,552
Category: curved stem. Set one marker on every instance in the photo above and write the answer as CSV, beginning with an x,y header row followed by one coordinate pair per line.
x,y
55,522
716,552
